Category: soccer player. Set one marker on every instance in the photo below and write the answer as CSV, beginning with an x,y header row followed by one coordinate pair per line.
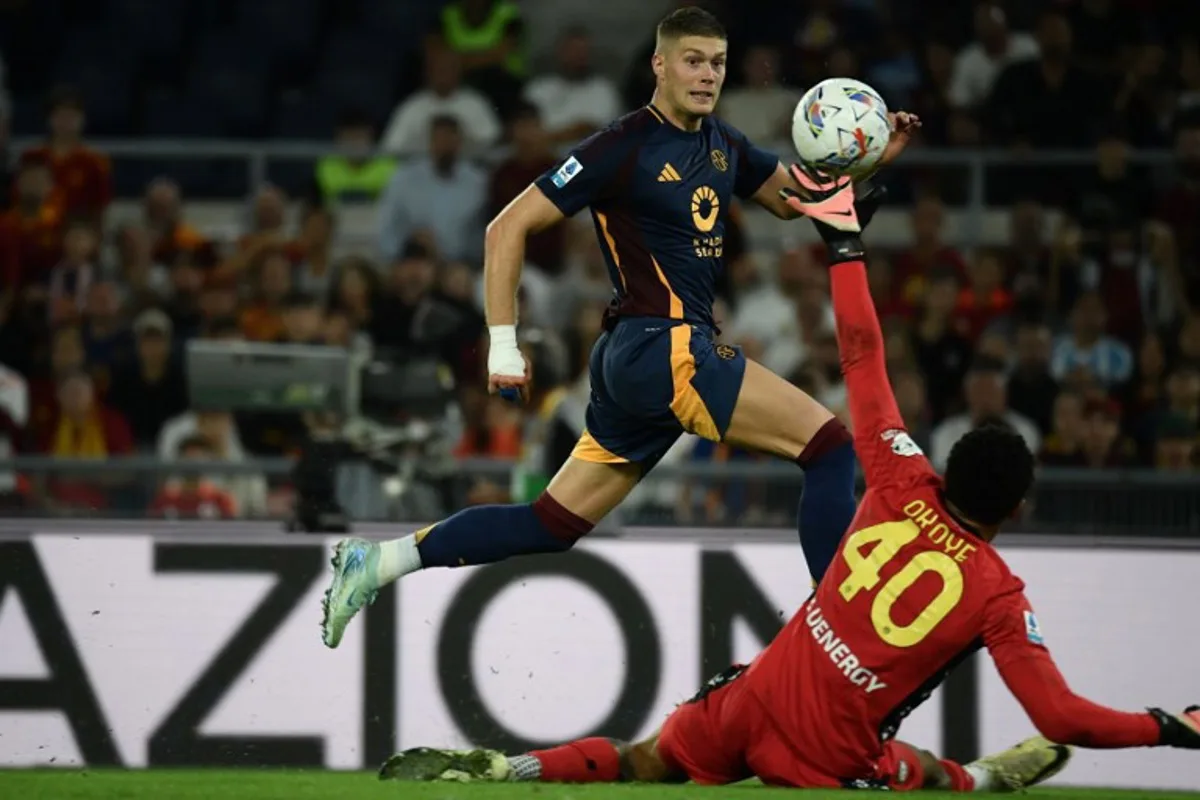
x,y
914,588
659,183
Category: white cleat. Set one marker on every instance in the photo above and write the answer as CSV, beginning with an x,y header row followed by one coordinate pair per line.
x,y
354,565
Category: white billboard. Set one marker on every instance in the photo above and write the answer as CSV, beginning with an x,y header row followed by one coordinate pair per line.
x,y
139,651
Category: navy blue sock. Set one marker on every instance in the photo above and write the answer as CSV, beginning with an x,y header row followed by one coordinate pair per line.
x,y
827,504
485,534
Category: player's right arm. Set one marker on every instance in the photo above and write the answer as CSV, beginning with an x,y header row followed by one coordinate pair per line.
x,y
884,448
1015,644
503,254
586,176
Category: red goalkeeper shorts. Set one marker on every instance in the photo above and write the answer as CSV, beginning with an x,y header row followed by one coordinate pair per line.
x,y
722,736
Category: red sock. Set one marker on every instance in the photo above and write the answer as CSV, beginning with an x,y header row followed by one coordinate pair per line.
x,y
960,781
593,760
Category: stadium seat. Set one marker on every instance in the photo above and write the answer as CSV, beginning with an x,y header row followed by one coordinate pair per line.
x,y
96,46
365,90
29,115
231,49
108,98
361,48
404,22
156,26
307,117
240,96
285,28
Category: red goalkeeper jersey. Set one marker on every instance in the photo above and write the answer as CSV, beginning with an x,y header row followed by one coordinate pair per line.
x,y
911,592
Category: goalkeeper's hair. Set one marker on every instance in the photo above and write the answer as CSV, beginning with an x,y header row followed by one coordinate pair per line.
x,y
989,472
689,21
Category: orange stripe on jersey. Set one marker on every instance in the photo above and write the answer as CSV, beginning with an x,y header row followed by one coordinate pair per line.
x,y
657,114
676,303
687,405
612,246
588,449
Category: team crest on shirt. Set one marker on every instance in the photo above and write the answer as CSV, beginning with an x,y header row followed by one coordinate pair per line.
x,y
902,443
567,172
726,352
1033,631
720,160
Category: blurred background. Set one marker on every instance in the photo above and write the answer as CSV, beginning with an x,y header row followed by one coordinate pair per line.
x,y
207,176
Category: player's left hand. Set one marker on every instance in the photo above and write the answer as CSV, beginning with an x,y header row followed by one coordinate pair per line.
x,y
1178,730
904,125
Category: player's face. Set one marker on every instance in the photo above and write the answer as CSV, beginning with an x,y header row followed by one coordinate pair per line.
x,y
691,73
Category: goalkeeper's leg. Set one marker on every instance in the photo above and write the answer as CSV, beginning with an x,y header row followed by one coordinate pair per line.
x,y
1029,763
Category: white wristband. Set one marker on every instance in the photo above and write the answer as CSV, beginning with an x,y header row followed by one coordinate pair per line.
x,y
504,357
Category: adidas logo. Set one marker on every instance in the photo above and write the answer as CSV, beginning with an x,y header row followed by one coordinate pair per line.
x,y
668,174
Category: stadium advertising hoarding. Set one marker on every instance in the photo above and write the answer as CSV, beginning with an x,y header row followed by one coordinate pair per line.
x,y
140,651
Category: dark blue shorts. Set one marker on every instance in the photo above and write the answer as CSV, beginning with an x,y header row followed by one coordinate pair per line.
x,y
653,379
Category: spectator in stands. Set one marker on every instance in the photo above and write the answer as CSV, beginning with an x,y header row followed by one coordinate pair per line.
x,y
1103,446
942,352
575,101
1145,391
489,37
84,427
1103,31
355,292
82,176
1062,444
1027,92
762,107
268,234
442,194
108,341
142,280
315,246
895,68
303,322
1087,347
5,130
928,252
154,388
353,174
987,402
909,388
1177,446
977,65
1182,402
187,288
14,417
170,234
531,156
1116,189
73,276
1179,206
412,317
1188,100
30,233
491,426
407,133
1031,387
780,319
262,319
191,495
985,300
1027,257
220,434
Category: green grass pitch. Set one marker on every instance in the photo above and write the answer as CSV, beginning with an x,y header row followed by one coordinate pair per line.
x,y
318,785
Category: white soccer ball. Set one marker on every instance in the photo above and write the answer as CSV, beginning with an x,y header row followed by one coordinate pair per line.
x,y
841,127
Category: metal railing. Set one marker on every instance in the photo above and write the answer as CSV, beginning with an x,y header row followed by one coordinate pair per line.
x,y
753,494
258,156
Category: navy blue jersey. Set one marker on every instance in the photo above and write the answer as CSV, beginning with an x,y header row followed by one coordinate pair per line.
x,y
659,197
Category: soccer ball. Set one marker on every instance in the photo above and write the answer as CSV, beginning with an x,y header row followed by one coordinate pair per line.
x,y
840,127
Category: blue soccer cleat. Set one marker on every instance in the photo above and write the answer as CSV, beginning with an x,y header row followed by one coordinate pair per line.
x,y
355,563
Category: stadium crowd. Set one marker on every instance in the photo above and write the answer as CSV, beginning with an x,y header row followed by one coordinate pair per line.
x,y
1084,334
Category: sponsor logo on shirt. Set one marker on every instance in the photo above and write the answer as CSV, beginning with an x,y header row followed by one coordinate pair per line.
x,y
902,443
839,652
1033,631
570,168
